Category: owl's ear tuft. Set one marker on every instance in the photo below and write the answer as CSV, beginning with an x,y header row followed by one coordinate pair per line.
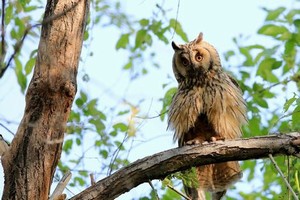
x,y
175,46
199,38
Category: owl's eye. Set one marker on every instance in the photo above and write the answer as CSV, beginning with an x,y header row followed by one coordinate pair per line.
x,y
185,61
198,57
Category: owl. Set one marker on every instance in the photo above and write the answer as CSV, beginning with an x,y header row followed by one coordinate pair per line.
x,y
208,106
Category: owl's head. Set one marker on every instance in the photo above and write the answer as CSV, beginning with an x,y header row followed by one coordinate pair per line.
x,y
194,59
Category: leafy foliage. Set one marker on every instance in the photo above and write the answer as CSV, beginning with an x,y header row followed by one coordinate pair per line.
x,y
269,75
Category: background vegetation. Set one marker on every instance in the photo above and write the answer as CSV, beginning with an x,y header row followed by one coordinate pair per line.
x,y
106,128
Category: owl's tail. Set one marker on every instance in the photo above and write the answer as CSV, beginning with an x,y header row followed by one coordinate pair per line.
x,y
215,178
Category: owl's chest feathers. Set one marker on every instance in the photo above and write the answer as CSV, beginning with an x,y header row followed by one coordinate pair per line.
x,y
193,100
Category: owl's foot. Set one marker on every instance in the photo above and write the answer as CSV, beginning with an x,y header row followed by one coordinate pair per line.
x,y
201,141
194,141
216,138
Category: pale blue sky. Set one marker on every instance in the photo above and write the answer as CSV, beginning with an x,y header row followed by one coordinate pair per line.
x,y
219,20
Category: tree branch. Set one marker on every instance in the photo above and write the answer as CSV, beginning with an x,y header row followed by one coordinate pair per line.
x,y
164,163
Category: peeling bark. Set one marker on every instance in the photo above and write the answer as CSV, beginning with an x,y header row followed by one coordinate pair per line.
x,y
31,160
164,163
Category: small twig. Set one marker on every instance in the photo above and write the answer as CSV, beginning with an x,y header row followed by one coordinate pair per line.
x,y
177,13
115,154
92,179
178,192
289,176
7,129
283,177
3,50
160,114
57,193
151,185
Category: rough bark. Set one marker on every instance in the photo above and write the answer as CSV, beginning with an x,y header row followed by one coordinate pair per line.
x,y
30,162
162,164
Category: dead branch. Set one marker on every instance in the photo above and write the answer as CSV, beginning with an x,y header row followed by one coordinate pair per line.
x,y
164,163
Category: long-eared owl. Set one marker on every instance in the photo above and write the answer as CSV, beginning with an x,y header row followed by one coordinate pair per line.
x,y
208,106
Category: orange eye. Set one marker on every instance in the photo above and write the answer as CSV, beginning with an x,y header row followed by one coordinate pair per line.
x,y
198,57
185,61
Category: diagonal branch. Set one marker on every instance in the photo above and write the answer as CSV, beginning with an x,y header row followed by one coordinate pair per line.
x,y
164,163
3,49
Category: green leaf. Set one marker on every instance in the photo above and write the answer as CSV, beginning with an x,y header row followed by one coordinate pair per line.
x,y
128,65
178,29
140,38
86,35
30,8
144,22
23,3
98,125
79,180
119,145
260,101
80,101
121,127
113,133
98,143
167,101
92,103
273,14
22,80
228,54
291,14
265,69
296,119
83,96
284,127
123,112
83,173
68,146
21,25
288,103
123,41
74,116
254,126
29,65
78,141
104,154
245,51
8,14
272,30
297,23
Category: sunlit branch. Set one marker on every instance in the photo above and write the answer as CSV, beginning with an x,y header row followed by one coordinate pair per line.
x,y
162,164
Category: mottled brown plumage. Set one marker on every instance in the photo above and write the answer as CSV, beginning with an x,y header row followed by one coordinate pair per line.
x,y
207,106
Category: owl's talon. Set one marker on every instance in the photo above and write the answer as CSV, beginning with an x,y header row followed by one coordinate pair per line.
x,y
193,142
216,138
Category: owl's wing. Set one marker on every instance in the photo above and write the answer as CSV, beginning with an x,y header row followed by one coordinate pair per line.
x,y
234,81
228,111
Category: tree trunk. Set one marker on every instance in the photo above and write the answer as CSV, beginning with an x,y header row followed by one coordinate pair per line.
x,y
31,160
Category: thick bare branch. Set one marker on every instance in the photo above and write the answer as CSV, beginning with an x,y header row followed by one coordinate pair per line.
x,y
164,163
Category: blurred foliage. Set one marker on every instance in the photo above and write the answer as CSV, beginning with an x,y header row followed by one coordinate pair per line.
x,y
268,73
